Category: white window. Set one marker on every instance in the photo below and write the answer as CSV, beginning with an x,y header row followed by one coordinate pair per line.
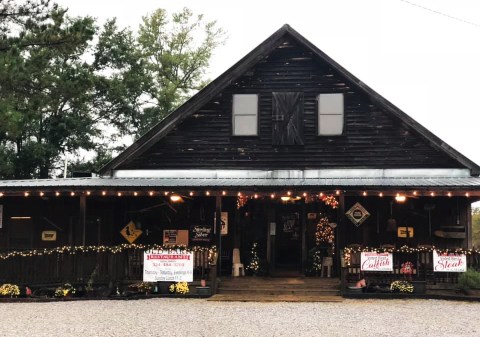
x,y
330,114
245,115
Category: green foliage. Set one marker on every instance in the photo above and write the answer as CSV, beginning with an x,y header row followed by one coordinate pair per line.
x,y
469,280
46,87
476,227
67,85
155,70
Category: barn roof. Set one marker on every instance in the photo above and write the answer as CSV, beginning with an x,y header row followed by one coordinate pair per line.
x,y
260,52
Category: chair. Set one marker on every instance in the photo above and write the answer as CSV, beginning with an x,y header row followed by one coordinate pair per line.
x,y
237,267
327,262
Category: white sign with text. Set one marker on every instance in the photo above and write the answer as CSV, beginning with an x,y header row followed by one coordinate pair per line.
x,y
372,261
161,265
449,262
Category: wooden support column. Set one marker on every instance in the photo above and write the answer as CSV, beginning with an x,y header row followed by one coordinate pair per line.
x,y
218,223
341,234
83,217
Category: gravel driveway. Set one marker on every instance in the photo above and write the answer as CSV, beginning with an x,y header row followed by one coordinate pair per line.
x,y
198,317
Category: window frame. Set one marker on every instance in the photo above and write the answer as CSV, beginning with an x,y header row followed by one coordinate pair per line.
x,y
256,114
319,114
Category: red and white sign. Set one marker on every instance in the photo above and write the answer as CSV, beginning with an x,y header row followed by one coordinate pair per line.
x,y
161,265
449,262
372,261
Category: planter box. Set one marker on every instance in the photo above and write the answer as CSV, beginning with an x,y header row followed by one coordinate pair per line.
x,y
419,287
203,291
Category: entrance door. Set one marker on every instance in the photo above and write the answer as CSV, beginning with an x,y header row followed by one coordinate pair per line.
x,y
288,240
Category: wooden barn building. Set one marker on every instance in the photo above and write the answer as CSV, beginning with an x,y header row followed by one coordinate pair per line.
x,y
286,150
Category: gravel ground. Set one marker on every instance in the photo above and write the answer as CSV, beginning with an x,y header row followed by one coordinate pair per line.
x,y
198,317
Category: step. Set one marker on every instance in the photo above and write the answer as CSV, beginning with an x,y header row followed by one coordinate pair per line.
x,y
261,292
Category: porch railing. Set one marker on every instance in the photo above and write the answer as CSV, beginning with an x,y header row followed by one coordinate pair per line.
x,y
98,267
423,269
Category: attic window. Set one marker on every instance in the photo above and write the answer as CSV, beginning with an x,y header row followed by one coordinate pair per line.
x,y
330,114
245,115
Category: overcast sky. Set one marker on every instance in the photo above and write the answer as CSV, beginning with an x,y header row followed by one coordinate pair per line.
x,y
421,55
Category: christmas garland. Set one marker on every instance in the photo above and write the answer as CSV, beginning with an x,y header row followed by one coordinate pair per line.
x,y
107,249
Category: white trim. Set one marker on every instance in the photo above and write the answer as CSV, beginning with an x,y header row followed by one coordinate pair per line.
x,y
295,174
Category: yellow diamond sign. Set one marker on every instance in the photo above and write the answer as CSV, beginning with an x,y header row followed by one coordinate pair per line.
x,y
130,232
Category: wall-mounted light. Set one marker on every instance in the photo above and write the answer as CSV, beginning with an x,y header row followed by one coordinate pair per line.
x,y
176,198
285,198
400,198
20,217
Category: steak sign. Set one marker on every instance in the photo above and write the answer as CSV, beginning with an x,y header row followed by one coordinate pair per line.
x,y
372,261
449,262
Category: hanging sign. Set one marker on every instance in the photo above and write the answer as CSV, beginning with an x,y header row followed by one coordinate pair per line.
x,y
49,236
163,265
357,214
201,233
449,262
130,232
372,261
224,217
175,237
405,232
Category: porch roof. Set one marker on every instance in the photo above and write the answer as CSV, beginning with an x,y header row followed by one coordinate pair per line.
x,y
467,183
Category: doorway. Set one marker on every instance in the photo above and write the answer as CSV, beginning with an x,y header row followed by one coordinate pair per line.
x,y
289,240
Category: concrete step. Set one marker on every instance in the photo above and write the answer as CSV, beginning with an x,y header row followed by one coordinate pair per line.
x,y
274,291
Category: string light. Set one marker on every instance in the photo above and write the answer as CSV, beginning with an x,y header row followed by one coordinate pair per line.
x,y
272,196
42,194
304,194
289,193
26,194
88,192
432,194
150,193
166,193
112,249
190,194
57,194
104,193
1,194
380,194
449,194
321,194
119,194
255,196
467,194
364,193
337,192
414,192
135,193
207,193
224,192
72,194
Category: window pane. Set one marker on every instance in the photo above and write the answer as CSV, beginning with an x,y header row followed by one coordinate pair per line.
x,y
330,104
244,125
330,125
245,104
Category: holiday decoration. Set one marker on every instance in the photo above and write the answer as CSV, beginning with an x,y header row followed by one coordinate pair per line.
x,y
254,264
330,200
324,232
241,200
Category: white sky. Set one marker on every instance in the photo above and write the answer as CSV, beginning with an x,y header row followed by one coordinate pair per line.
x,y
425,63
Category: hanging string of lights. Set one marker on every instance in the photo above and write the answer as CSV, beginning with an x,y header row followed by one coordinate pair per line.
x,y
109,249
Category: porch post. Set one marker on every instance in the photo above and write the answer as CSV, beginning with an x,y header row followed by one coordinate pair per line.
x,y
218,223
83,218
341,228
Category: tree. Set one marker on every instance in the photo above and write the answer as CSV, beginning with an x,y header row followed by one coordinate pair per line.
x,y
157,69
67,86
45,87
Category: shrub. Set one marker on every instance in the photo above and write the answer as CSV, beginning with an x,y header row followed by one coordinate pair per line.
x,y
469,280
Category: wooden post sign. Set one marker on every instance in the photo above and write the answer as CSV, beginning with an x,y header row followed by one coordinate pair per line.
x,y
163,265
449,262
373,261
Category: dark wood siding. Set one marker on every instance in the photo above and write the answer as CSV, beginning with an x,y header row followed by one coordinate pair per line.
x,y
372,138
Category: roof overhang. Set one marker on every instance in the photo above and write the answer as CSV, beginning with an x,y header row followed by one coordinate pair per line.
x,y
330,179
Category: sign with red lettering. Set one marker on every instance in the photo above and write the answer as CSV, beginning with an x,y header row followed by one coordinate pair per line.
x,y
372,261
167,265
449,262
